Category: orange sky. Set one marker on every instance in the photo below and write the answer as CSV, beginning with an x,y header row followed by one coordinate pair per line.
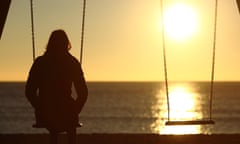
x,y
123,39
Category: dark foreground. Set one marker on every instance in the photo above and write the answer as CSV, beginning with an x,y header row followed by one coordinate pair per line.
x,y
124,139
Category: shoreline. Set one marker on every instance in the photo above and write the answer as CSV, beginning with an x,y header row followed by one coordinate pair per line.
x,y
122,138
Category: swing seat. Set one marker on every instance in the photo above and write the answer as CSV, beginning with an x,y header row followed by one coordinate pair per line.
x,y
190,122
41,126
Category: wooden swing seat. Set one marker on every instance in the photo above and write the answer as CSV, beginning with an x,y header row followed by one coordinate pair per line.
x,y
190,122
41,126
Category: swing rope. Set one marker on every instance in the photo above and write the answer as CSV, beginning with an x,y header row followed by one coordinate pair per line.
x,y
165,60
32,26
213,58
82,33
169,122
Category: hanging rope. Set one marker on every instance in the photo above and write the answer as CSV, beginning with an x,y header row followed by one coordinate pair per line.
x,y
213,66
32,25
213,57
165,59
82,33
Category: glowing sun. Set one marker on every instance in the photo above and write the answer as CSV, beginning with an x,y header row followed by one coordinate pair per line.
x,y
180,21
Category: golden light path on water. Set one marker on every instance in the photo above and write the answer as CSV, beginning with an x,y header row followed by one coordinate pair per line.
x,y
185,104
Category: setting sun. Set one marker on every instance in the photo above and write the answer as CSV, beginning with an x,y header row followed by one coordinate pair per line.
x,y
180,21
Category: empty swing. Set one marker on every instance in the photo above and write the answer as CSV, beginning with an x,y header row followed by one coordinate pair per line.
x,y
209,120
33,43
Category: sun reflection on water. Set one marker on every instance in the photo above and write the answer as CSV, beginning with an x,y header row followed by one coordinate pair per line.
x,y
184,105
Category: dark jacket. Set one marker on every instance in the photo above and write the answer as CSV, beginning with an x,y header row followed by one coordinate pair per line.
x,y
49,88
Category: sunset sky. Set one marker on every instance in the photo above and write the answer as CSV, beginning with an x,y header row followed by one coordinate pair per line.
x,y
123,40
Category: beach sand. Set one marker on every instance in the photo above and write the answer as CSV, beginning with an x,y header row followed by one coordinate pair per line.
x,y
124,139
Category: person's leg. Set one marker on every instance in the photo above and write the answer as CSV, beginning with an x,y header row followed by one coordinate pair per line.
x,y
72,136
53,138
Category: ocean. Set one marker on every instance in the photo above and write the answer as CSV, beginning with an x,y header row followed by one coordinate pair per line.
x,y
135,107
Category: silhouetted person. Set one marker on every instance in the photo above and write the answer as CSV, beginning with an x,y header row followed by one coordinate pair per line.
x,y
49,84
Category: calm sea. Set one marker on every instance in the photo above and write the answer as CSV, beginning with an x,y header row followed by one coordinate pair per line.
x,y
135,107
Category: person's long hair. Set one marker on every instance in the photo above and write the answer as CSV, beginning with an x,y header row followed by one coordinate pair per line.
x,y
58,43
